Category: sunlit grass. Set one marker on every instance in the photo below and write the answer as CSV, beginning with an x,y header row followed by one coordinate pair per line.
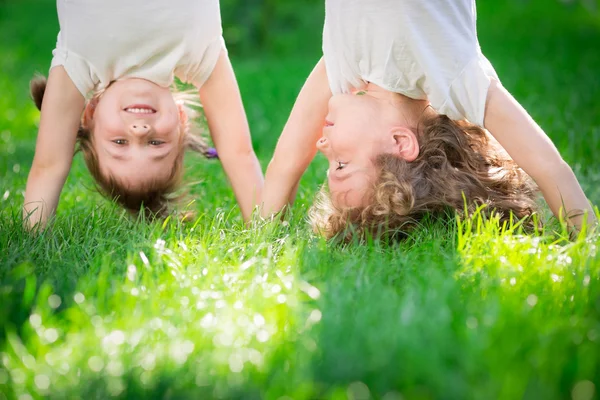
x,y
101,305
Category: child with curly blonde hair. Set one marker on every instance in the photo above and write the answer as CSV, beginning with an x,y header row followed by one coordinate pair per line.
x,y
398,104
109,90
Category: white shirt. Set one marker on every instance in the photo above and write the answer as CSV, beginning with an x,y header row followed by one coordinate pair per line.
x,y
423,49
101,41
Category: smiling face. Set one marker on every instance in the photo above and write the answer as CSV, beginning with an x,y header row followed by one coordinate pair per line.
x,y
137,132
358,128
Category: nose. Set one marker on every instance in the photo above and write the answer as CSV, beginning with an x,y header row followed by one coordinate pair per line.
x,y
323,145
139,129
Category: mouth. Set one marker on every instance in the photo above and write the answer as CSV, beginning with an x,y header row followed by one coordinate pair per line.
x,y
328,123
139,109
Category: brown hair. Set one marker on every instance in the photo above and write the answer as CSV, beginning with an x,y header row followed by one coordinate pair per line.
x,y
459,165
154,198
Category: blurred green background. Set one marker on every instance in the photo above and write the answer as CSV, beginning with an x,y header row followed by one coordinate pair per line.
x,y
102,306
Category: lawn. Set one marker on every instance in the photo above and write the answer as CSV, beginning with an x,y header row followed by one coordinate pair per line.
x,y
103,306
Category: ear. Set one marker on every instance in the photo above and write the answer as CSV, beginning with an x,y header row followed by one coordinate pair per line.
x,y
406,144
88,113
183,116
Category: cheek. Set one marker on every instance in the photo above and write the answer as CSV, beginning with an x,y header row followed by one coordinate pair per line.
x,y
106,124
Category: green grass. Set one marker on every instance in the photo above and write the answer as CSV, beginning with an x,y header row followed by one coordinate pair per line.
x,y
102,306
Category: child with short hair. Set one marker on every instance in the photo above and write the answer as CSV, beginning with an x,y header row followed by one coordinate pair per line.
x,y
109,91
388,105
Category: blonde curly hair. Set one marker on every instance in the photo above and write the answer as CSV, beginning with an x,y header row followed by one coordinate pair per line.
x,y
459,164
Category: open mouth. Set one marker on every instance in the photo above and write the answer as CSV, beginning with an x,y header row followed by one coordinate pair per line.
x,y
139,109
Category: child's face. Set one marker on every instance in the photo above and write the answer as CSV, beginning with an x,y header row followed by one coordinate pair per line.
x,y
355,133
359,127
137,131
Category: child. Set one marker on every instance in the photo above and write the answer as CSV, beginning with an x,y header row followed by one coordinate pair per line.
x,y
383,106
108,90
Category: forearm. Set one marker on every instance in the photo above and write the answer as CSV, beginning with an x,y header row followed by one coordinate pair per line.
x,y
61,115
245,176
564,195
41,195
535,153
281,182
296,147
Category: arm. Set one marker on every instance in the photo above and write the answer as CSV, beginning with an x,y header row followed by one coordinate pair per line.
x,y
296,146
61,115
535,153
222,102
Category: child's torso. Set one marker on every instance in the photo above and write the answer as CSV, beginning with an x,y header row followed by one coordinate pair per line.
x,y
149,39
414,47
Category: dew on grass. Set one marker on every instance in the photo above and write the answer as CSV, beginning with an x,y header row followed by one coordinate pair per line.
x,y
16,168
42,382
583,390
259,320
116,338
243,321
64,368
25,396
135,292
208,321
310,290
275,288
148,362
262,335
532,300
513,281
236,363
116,387
35,320
18,376
131,272
281,298
79,298
96,363
358,391
54,301
238,305
146,378
592,335
51,335
144,259
205,271
255,357
315,316
6,194
586,280
556,278
28,361
180,351
185,301
472,323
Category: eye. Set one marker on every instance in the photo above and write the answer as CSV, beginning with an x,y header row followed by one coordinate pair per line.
x,y
341,165
120,141
155,142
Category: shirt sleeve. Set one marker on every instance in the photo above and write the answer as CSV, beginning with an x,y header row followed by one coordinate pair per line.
x,y
76,67
467,95
198,72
